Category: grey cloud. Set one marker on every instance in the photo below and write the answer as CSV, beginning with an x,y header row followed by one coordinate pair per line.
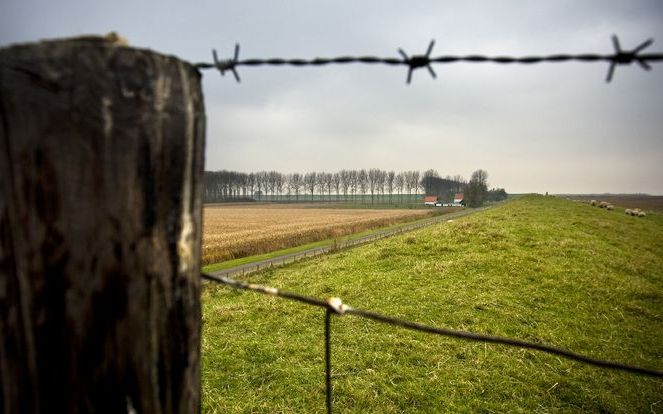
x,y
534,128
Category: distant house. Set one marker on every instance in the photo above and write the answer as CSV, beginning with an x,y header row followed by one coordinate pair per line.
x,y
459,198
430,200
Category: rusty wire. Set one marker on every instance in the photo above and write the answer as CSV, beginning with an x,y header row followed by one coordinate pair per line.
x,y
619,57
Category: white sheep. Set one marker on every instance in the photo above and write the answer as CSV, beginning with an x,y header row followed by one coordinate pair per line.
x,y
593,202
628,211
603,204
641,214
610,207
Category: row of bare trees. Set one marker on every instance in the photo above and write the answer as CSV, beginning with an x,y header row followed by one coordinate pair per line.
x,y
345,185
372,185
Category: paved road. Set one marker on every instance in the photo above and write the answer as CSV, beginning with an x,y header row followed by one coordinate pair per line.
x,y
293,257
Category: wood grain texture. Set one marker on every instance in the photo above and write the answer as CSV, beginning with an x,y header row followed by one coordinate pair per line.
x,y
101,162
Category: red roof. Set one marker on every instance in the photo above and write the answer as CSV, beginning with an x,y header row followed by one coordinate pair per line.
x,y
430,199
459,196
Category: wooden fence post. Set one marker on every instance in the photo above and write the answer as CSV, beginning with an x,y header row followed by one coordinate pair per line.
x,y
101,161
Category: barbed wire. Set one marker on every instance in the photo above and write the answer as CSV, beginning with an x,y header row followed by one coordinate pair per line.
x,y
619,57
336,306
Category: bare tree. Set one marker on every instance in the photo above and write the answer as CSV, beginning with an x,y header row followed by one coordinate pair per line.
x,y
287,186
354,183
328,179
271,178
336,183
391,176
373,179
415,182
261,183
399,183
296,184
279,182
362,182
320,184
410,183
251,183
310,180
345,183
382,182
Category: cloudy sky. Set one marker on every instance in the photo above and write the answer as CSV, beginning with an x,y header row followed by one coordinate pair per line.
x,y
551,127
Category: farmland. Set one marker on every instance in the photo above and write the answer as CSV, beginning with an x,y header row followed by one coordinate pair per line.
x,y
541,269
231,231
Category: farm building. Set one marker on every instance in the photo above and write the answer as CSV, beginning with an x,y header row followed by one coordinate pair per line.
x,y
430,200
459,201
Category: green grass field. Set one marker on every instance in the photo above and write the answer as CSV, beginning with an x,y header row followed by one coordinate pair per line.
x,y
537,268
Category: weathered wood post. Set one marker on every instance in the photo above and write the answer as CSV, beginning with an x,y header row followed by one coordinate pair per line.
x,y
101,162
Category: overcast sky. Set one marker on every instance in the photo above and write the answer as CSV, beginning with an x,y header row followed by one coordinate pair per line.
x,y
550,127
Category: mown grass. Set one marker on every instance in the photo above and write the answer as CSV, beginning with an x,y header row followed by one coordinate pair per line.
x,y
537,268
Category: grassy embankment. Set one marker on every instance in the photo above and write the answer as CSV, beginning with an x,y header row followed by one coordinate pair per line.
x,y
540,269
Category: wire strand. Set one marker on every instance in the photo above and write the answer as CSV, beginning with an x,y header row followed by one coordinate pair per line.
x,y
619,57
328,383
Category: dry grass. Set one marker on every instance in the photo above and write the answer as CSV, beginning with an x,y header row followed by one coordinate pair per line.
x,y
234,232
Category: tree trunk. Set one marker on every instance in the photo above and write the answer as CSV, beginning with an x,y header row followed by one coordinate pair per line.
x,y
101,172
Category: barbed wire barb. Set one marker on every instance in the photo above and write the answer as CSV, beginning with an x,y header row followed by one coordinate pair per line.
x,y
622,57
224,65
418,61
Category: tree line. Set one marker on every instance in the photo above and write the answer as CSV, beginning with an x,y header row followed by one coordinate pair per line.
x,y
373,185
475,191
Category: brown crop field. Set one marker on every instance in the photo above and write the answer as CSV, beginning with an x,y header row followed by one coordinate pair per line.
x,y
231,232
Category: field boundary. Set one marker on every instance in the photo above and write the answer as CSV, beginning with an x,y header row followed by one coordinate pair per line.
x,y
282,260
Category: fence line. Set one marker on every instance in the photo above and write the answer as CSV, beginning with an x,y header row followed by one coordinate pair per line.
x,y
619,57
336,306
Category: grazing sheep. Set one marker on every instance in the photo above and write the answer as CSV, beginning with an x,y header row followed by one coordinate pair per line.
x,y
593,202
641,214
610,207
627,211
603,204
